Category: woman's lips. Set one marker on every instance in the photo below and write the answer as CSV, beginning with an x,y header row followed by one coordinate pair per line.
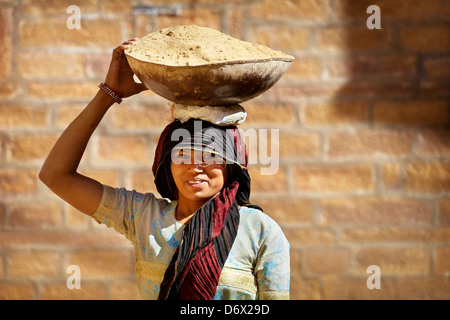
x,y
196,182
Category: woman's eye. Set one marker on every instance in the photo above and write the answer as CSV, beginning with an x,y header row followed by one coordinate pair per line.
x,y
208,155
181,155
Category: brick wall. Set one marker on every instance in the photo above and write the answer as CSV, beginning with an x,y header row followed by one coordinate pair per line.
x,y
364,142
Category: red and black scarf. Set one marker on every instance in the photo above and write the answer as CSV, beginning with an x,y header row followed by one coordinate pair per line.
x,y
195,268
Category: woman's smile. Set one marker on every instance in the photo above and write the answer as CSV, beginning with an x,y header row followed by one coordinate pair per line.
x,y
197,182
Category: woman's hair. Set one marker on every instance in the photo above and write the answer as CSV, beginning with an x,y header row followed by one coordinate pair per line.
x,y
225,141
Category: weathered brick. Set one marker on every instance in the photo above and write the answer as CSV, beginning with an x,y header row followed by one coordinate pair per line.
x,y
388,87
435,88
314,10
9,89
422,288
34,264
305,289
63,239
410,112
123,149
143,181
263,182
327,261
299,237
344,39
142,25
444,212
116,7
368,66
437,66
426,39
52,65
428,177
2,219
63,90
413,10
22,116
295,258
31,146
394,260
395,235
433,142
324,179
103,263
17,290
287,39
392,176
6,34
298,144
442,265
304,69
53,32
286,210
234,20
17,182
35,215
204,17
376,211
143,116
56,7
335,113
355,288
262,114
370,143
76,219
276,144
124,290
90,290
97,64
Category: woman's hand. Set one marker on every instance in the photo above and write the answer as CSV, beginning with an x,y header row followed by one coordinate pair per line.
x,y
120,76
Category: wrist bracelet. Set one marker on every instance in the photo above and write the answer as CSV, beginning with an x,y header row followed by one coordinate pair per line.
x,y
111,93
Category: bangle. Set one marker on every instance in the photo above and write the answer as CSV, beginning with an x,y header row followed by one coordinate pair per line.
x,y
111,93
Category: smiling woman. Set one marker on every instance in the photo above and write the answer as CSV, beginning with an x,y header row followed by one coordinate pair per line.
x,y
203,239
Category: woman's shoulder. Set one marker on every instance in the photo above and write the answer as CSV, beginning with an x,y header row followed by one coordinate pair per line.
x,y
123,196
256,219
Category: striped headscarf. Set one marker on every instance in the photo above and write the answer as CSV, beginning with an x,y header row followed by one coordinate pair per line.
x,y
195,268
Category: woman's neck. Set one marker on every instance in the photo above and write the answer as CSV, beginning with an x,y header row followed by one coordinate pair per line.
x,y
185,210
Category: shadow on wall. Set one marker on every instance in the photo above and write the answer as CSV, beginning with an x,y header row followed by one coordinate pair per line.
x,y
380,184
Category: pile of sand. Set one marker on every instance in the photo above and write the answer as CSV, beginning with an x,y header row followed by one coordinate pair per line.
x,y
193,45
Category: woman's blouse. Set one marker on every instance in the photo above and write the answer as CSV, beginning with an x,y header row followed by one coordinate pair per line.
x,y
257,266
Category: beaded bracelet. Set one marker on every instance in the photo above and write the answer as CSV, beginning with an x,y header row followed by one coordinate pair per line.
x,y
111,93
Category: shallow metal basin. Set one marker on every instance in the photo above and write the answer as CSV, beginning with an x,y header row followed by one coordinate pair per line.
x,y
212,84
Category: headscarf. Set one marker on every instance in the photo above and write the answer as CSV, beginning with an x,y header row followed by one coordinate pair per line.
x,y
196,265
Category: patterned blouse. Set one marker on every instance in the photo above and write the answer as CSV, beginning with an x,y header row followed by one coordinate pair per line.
x,y
257,266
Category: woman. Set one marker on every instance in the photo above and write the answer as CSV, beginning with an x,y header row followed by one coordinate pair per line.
x,y
203,240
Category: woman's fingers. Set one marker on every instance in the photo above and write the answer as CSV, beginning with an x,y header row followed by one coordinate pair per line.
x,y
125,45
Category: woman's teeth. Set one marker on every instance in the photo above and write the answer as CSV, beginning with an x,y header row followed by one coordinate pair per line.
x,y
196,181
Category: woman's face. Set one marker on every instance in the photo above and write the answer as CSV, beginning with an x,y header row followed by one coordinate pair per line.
x,y
198,177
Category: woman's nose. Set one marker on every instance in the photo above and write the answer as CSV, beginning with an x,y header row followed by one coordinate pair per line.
x,y
196,167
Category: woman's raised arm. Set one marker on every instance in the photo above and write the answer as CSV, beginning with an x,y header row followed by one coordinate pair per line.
x,y
59,171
